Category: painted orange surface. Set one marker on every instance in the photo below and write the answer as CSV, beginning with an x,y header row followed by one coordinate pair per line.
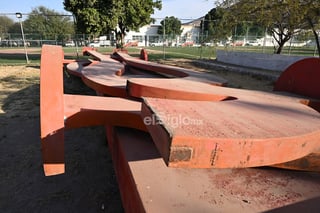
x,y
315,104
102,78
310,163
174,88
229,127
147,185
51,109
170,71
255,129
144,54
76,67
109,76
187,124
84,111
301,78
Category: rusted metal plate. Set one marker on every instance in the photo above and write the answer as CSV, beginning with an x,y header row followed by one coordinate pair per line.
x,y
255,129
148,185
177,88
51,109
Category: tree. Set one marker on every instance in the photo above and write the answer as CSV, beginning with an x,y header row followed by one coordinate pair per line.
x,y
313,19
214,28
5,25
282,18
211,27
49,24
119,16
87,15
15,28
171,27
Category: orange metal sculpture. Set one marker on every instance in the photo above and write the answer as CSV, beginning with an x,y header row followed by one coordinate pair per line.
x,y
59,111
302,78
236,128
179,118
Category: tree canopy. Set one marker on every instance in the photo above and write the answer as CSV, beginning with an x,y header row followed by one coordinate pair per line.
x,y
313,19
103,16
282,18
214,27
210,27
5,25
171,26
48,24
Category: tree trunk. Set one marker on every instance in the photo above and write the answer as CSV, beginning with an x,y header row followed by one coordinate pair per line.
x,y
317,41
119,39
315,35
280,48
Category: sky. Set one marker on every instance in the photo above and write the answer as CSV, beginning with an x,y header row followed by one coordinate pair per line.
x,y
182,9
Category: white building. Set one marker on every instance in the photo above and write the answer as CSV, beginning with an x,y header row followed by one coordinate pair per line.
x,y
191,34
148,34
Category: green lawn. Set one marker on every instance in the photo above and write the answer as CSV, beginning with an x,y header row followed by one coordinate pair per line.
x,y
19,58
154,53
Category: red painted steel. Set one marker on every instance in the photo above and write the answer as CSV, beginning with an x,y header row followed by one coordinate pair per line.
x,y
86,49
51,109
310,162
109,76
152,67
250,129
177,88
315,104
255,129
102,78
148,185
301,78
75,68
170,71
98,56
82,111
59,111
144,54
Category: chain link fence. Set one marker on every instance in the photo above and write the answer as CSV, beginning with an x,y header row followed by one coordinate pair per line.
x,y
192,44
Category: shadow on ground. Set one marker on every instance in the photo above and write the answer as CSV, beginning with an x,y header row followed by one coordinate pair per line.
x,y
89,184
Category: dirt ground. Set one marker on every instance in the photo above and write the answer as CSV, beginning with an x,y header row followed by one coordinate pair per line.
x,y
89,184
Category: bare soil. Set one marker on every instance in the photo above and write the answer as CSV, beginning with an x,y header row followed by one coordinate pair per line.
x,y
89,184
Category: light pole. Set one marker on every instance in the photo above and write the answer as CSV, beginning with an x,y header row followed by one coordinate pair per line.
x,y
163,39
19,16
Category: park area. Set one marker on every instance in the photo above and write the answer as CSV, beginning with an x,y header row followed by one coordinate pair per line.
x,y
88,186
114,106
89,183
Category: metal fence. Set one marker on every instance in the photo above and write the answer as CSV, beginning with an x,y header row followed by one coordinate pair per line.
x,y
37,40
198,47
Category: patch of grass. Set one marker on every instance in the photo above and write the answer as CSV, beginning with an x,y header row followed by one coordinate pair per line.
x,y
154,53
18,58
181,52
